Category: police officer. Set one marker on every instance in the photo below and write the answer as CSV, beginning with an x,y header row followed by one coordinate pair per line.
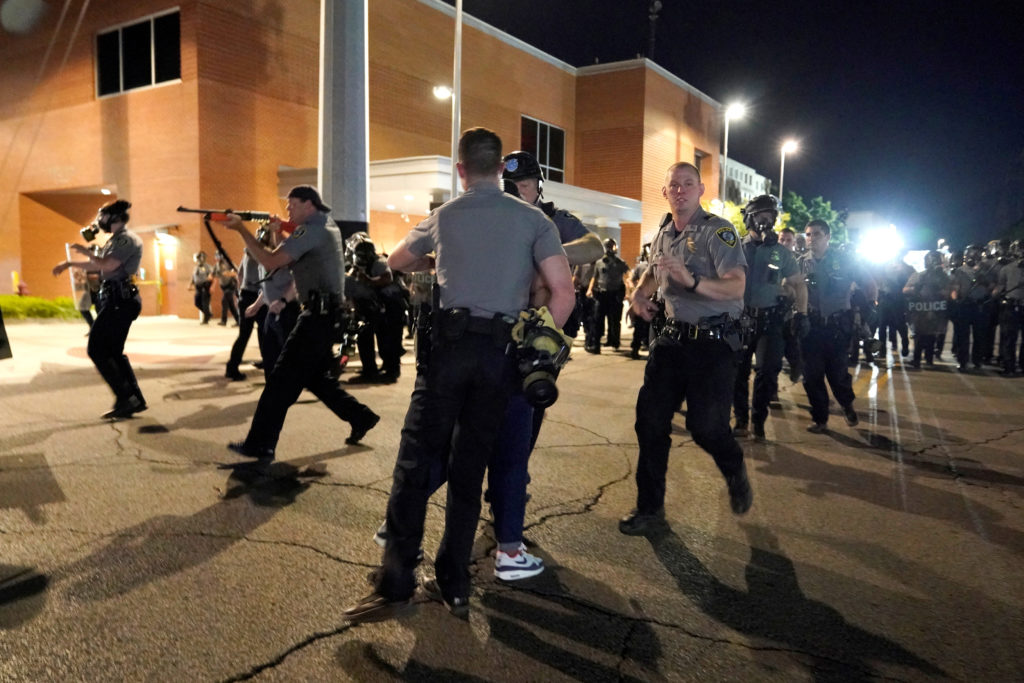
x,y
379,302
315,255
581,245
770,267
641,327
697,262
1009,292
119,303
227,279
927,293
788,239
279,305
249,278
832,277
972,293
489,247
202,281
608,288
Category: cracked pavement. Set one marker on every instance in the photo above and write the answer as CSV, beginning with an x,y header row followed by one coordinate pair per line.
x,y
134,550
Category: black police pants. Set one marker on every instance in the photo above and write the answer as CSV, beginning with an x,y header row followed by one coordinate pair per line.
x,y
766,347
245,327
106,345
704,374
972,320
609,308
202,302
277,327
892,322
641,332
825,350
228,304
1009,331
453,423
303,364
792,353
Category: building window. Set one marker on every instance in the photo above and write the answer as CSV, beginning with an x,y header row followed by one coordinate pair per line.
x,y
139,54
547,143
702,160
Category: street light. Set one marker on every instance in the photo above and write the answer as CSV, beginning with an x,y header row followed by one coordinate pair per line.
x,y
736,110
787,147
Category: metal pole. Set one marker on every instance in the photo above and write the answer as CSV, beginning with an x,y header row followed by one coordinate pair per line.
x,y
456,97
782,174
725,162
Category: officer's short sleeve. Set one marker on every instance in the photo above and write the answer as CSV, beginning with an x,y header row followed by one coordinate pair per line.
x,y
725,247
569,227
300,243
420,240
547,242
119,247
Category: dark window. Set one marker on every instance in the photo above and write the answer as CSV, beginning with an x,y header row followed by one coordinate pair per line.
x,y
139,54
167,47
547,143
136,66
108,62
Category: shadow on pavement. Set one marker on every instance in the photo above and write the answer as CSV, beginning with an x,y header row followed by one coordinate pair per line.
x,y
22,595
774,608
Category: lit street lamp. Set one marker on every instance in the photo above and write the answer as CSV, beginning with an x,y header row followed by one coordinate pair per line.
x,y
736,110
787,147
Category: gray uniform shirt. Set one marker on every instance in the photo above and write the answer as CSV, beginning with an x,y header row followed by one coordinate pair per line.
x,y
710,248
126,247
249,272
608,274
766,268
829,281
1011,280
275,283
488,245
971,284
318,256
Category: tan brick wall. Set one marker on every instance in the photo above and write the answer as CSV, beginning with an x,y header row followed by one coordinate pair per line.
x,y
609,151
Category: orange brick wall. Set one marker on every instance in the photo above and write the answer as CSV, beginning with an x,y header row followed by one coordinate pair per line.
x,y
609,151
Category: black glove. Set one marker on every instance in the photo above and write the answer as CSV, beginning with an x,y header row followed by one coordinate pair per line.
x,y
801,325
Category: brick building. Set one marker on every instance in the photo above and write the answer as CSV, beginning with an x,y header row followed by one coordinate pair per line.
x,y
215,104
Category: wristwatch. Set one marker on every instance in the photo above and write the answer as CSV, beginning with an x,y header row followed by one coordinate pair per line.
x,y
696,281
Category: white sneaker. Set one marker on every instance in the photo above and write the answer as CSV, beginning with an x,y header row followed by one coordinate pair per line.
x,y
381,537
522,565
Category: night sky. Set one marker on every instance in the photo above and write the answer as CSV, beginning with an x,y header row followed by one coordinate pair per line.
x,y
911,109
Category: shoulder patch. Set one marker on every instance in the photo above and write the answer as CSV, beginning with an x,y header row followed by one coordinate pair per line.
x,y
298,232
727,235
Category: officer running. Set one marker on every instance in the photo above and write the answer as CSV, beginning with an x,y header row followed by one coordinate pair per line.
x,y
315,255
832,277
119,303
697,262
772,270
489,247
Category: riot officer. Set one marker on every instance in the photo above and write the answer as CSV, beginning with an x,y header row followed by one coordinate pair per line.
x,y
581,245
832,277
379,302
489,248
608,288
928,296
699,266
771,269
315,255
227,280
119,303
972,292
202,281
1009,292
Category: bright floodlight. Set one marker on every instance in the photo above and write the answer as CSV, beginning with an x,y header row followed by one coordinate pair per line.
x,y
736,110
880,245
442,92
789,146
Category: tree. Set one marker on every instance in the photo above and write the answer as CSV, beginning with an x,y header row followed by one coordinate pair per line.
x,y
798,214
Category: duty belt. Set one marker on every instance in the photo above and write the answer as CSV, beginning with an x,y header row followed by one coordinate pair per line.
x,y
702,331
322,303
455,322
118,290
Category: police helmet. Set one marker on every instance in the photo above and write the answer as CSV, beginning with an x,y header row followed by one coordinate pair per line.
x,y
199,256
113,212
364,253
610,245
972,254
932,259
520,165
1016,249
764,202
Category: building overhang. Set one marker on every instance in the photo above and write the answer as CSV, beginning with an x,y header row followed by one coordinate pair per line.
x,y
409,185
